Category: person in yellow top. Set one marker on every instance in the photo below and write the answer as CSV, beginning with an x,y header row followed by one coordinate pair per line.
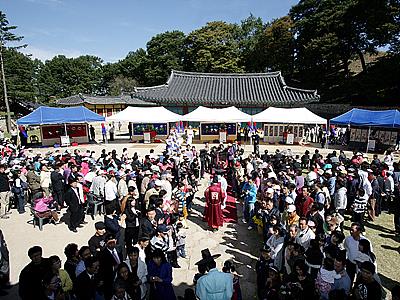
x,y
291,217
66,282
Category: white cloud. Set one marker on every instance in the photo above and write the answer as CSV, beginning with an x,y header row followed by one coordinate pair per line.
x,y
46,54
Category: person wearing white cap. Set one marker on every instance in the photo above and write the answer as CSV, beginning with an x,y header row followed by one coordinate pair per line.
x,y
289,216
153,191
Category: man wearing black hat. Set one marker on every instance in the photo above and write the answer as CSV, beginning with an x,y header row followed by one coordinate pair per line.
x,y
97,241
74,206
215,284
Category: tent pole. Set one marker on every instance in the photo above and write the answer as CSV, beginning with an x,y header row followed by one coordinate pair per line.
x,y
328,130
369,132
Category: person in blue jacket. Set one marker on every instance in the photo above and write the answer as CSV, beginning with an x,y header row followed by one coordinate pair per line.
x,y
250,198
160,277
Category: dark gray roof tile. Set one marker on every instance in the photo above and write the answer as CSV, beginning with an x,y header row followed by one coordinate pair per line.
x,y
252,89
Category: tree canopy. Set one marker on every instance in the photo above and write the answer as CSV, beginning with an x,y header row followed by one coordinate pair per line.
x,y
315,46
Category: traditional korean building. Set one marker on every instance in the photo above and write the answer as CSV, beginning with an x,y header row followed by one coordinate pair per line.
x,y
103,105
185,91
251,92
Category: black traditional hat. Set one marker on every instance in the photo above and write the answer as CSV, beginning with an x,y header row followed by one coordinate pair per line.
x,y
206,257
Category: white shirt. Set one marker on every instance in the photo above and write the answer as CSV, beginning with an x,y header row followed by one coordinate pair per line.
x,y
304,237
351,246
110,190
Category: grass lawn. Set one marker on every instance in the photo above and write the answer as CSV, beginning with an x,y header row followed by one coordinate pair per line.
x,y
386,247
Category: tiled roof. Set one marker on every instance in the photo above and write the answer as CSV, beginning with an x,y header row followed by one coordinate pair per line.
x,y
101,100
211,89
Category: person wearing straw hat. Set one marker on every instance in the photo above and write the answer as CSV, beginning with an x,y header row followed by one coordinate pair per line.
x,y
214,285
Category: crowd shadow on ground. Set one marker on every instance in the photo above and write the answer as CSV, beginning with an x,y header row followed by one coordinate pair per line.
x,y
387,282
12,292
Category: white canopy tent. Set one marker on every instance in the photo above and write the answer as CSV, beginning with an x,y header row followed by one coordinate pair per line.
x,y
220,115
145,115
288,116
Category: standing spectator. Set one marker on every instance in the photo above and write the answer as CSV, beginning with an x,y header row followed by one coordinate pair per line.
x,y
366,287
303,202
65,280
92,132
160,277
138,268
72,254
72,199
214,284
104,132
132,223
31,276
57,184
19,189
250,193
112,131
109,261
87,283
351,245
342,279
45,180
305,235
97,241
4,265
4,193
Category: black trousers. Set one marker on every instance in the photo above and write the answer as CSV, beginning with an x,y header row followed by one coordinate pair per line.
x,y
351,270
76,217
131,237
58,197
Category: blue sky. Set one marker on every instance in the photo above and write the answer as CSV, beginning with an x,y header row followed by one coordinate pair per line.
x,y
111,28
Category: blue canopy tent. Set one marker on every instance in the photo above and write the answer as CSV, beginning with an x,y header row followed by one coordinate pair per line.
x,y
369,118
56,116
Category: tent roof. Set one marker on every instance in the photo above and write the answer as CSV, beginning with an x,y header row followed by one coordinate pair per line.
x,y
221,115
149,115
289,116
55,115
364,117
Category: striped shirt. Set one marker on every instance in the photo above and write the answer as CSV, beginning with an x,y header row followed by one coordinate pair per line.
x,y
158,243
360,205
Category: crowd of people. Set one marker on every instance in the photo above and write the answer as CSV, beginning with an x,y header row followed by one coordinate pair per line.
x,y
297,203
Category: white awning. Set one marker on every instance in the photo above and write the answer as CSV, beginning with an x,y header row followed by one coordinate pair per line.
x,y
146,115
221,115
288,116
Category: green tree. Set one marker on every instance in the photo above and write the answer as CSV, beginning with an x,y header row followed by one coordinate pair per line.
x,y
165,52
62,77
330,33
214,48
121,84
6,36
134,66
20,76
250,32
276,46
